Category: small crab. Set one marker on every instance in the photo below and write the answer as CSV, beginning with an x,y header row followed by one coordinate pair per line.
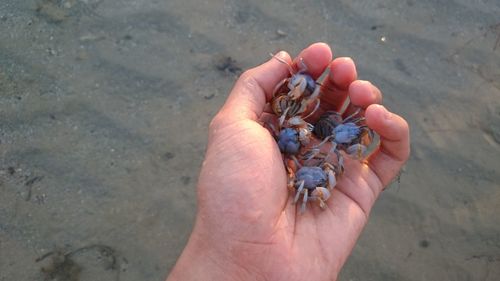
x,y
288,141
292,137
299,85
293,134
313,182
344,134
293,95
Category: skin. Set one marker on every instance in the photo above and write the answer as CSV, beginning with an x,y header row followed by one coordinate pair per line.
x,y
247,227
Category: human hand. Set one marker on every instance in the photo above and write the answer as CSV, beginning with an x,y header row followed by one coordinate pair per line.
x,y
247,227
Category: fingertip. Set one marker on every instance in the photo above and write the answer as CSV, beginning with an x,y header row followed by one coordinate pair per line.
x,y
390,126
343,72
316,57
319,51
334,90
283,56
376,115
364,93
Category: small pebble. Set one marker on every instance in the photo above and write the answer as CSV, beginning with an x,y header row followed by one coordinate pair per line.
x,y
281,33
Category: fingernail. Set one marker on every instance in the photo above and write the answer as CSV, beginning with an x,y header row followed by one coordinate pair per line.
x,y
385,113
280,55
365,82
347,60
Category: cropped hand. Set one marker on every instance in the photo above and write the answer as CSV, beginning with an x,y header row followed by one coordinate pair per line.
x,y
247,227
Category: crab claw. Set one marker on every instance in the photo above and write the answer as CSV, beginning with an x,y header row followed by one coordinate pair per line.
x,y
278,87
332,181
351,117
356,151
313,153
322,194
283,117
340,161
297,90
291,178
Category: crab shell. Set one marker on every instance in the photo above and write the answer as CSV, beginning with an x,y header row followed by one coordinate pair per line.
x,y
284,103
314,183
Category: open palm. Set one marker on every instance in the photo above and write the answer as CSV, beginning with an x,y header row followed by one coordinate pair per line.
x,y
247,227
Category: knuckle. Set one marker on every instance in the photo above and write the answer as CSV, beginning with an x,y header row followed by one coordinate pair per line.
x,y
405,127
219,121
247,79
215,123
246,74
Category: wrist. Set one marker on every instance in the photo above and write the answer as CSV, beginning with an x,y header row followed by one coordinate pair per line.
x,y
195,265
200,260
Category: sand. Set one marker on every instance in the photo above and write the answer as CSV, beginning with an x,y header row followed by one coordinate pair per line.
x,y
104,108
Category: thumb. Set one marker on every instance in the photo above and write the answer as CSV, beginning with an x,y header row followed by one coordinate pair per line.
x,y
254,88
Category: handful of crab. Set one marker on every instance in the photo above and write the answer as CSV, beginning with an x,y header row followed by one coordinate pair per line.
x,y
314,149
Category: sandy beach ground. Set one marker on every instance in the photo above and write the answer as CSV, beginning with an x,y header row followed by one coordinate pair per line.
x,y
104,107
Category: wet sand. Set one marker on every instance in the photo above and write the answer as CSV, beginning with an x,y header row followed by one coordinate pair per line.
x,y
104,107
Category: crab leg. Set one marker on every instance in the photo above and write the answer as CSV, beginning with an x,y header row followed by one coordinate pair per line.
x,y
322,194
341,163
311,154
304,201
314,110
357,120
334,146
315,94
303,66
340,158
296,161
290,69
272,128
278,86
299,190
352,115
283,116
291,178
333,112
332,181
298,90
356,151
323,142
